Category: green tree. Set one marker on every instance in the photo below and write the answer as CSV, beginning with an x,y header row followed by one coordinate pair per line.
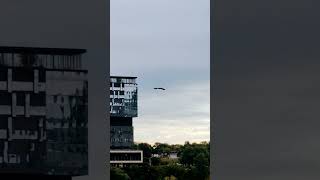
x,y
118,174
146,148
155,161
137,172
193,162
201,164
189,151
187,155
162,148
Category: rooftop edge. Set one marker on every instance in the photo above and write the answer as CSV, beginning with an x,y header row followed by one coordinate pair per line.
x,y
37,50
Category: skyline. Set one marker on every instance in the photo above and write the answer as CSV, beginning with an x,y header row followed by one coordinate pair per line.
x,y
165,45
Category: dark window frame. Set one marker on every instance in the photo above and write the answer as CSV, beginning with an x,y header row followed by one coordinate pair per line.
x,y
38,99
3,74
23,74
42,75
20,98
5,98
116,84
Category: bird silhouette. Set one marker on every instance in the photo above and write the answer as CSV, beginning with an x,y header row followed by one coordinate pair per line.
x,y
160,89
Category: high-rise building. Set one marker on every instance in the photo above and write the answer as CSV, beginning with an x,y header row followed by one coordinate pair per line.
x,y
123,108
43,111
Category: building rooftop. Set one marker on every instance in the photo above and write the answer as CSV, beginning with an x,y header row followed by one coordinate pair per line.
x,y
37,50
124,77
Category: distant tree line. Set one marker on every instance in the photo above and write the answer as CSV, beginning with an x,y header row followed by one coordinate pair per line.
x,y
192,163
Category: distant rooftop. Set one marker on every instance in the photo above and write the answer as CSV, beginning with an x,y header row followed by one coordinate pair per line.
x,y
37,50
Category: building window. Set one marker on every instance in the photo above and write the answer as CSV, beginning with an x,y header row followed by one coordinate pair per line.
x,y
38,99
3,122
21,99
121,93
5,98
117,84
22,74
115,108
42,75
118,100
3,74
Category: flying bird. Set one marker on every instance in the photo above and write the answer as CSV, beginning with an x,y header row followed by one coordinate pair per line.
x,y
160,88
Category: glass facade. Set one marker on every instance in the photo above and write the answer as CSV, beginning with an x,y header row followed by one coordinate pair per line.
x,y
123,107
43,111
123,97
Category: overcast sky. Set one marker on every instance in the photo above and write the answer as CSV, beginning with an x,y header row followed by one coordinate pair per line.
x,y
165,43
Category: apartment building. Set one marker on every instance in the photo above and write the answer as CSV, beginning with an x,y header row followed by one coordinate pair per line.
x,y
43,111
123,108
